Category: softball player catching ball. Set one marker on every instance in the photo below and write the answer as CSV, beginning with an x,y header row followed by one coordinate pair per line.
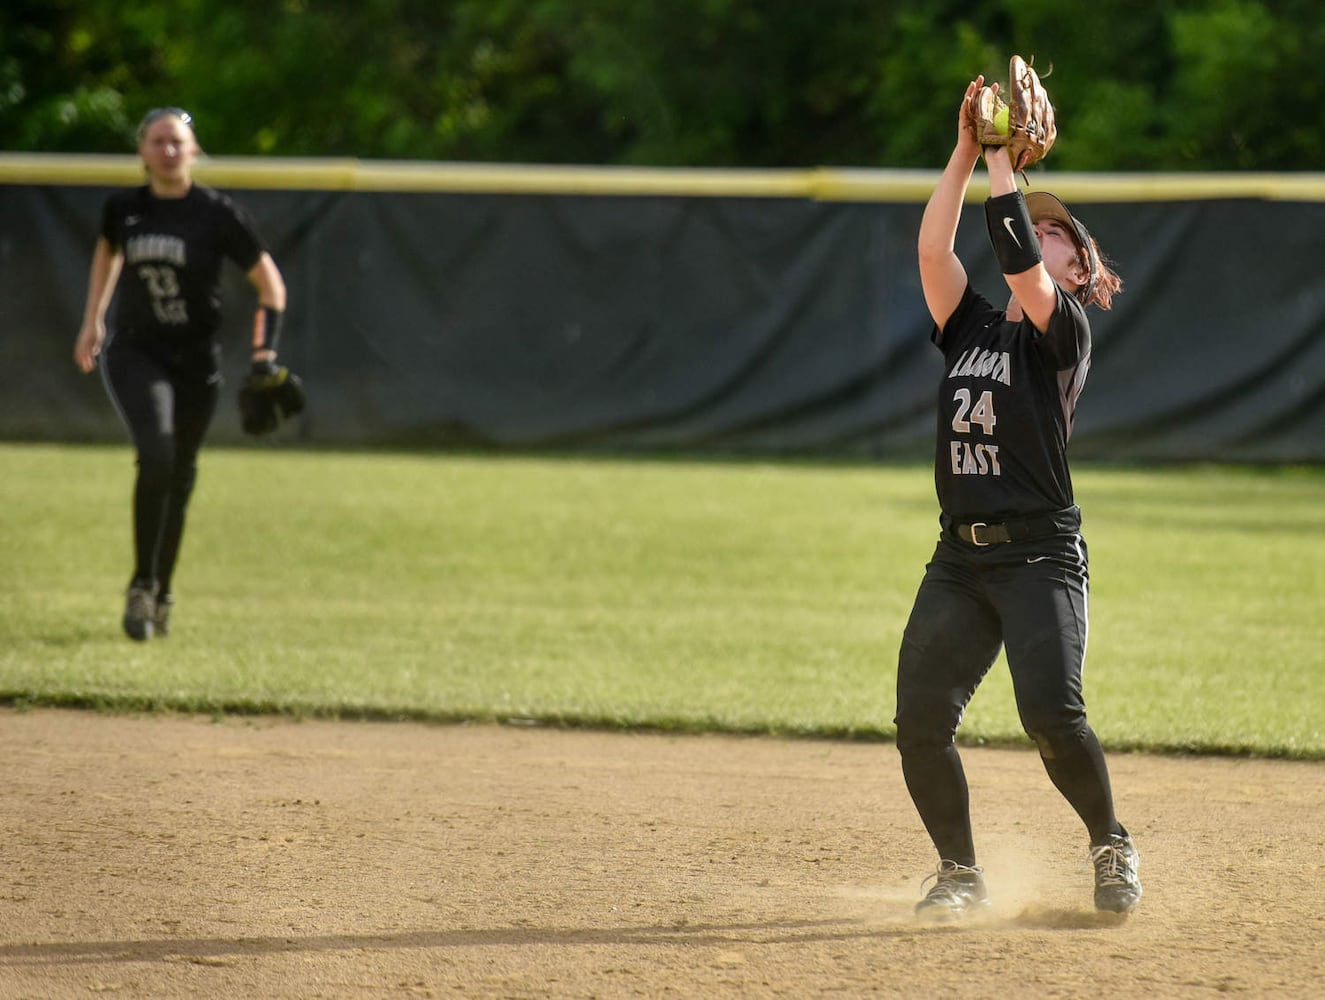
x,y
159,256
1010,566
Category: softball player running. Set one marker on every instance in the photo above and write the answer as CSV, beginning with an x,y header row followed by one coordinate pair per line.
x,y
1010,566
159,257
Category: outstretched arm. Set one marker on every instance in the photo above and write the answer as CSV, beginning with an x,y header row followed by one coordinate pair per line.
x,y
942,276
1034,289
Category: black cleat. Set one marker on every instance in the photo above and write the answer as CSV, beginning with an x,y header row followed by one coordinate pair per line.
x,y
957,890
1117,887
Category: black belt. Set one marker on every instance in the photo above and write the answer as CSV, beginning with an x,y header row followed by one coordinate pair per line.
x,y
1016,529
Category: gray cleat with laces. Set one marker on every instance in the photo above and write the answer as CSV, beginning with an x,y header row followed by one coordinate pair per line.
x,y
1117,886
139,610
957,890
161,615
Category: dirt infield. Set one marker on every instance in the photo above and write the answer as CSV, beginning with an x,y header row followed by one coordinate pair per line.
x,y
188,857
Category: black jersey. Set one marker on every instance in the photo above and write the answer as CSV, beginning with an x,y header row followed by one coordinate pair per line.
x,y
1005,409
169,291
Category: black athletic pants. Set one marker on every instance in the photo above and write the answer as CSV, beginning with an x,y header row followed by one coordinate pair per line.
x,y
1030,598
167,409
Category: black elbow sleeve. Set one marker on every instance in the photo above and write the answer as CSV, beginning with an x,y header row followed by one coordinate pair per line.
x,y
1012,233
267,328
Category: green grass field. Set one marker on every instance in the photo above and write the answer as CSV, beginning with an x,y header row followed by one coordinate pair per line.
x,y
686,595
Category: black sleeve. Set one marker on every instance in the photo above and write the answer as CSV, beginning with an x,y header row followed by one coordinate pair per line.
x,y
1067,340
112,220
241,241
972,304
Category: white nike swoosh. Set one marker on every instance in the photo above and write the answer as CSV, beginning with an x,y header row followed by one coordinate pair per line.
x,y
1037,559
133,220
1007,224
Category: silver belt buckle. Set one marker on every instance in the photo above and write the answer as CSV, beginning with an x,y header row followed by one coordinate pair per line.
x,y
975,538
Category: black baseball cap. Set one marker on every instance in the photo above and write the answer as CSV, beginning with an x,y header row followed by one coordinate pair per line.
x,y
1043,205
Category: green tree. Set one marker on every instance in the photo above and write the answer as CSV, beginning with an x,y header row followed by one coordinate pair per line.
x,y
1190,85
72,74
1247,87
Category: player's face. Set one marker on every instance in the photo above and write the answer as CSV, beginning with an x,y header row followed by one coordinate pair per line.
x,y
1061,257
168,149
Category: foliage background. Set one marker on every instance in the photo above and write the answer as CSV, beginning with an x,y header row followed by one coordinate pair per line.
x,y
1220,85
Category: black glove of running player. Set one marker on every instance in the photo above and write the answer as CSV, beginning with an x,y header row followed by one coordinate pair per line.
x,y
270,394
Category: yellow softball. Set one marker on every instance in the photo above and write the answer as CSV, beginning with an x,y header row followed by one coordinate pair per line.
x,y
1001,121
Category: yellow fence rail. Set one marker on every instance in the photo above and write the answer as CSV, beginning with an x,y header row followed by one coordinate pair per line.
x,y
819,184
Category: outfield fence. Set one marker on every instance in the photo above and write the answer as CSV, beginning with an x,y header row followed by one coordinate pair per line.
x,y
749,311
